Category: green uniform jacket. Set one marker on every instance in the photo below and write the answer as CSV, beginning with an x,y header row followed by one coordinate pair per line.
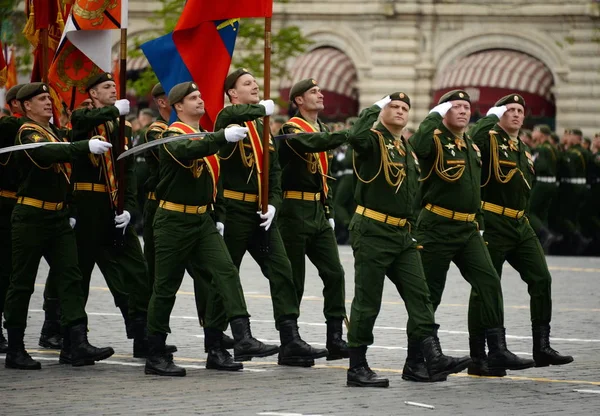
x,y
153,132
299,166
178,162
43,174
501,161
9,126
546,160
85,125
235,176
450,176
373,190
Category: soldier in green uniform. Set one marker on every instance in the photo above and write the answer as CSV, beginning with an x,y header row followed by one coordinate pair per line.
x,y
306,221
95,185
186,236
387,176
448,231
545,186
9,126
508,172
247,230
153,132
40,228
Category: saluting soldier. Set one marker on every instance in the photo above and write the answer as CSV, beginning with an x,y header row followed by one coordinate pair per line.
x,y
40,228
306,218
186,236
95,196
545,186
448,231
244,227
387,176
508,172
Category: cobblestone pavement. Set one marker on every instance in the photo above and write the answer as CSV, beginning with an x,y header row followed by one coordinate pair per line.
x,y
118,386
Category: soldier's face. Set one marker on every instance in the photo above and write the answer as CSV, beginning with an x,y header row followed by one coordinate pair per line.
x,y
87,103
311,100
459,114
192,105
246,90
105,93
513,118
39,106
395,114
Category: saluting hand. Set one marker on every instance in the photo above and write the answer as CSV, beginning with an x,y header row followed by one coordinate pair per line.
x,y
98,147
268,217
441,109
383,102
497,111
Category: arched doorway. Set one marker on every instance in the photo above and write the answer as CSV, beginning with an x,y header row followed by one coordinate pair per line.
x,y
336,75
491,74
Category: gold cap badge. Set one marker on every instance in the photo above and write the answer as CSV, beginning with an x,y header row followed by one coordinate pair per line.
x,y
245,70
194,85
516,97
401,95
109,76
461,95
314,82
44,88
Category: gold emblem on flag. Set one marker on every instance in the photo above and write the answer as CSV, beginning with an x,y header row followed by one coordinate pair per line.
x,y
74,70
94,12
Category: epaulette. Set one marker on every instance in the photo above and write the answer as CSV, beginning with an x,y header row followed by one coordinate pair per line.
x,y
437,131
128,124
493,131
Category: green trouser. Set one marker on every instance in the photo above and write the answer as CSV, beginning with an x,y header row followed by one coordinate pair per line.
x,y
343,200
51,303
242,233
38,233
444,241
590,212
6,208
193,240
385,250
515,241
306,233
200,287
542,195
141,175
568,204
123,268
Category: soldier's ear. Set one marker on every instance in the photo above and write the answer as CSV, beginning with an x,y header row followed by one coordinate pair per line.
x,y
232,93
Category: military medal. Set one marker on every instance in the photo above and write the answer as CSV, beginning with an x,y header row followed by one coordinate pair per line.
x,y
514,146
450,147
504,147
460,143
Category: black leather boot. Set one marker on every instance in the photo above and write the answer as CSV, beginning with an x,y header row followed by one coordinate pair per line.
x,y
439,366
294,351
543,354
81,350
479,363
246,346
65,353
16,356
218,357
499,357
414,367
359,373
227,342
158,361
337,348
51,336
140,337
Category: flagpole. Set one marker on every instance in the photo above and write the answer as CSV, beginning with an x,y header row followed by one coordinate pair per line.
x,y
44,45
122,94
266,127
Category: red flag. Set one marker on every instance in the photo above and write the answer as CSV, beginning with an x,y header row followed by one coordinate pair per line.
x,y
199,11
3,67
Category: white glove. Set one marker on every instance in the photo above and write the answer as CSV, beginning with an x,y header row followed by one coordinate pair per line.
x,y
268,217
122,106
221,228
72,222
383,102
122,220
497,111
332,223
441,109
481,232
98,147
235,133
269,106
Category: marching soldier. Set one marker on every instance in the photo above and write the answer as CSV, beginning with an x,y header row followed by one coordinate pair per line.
x,y
153,132
508,172
9,126
244,229
544,189
387,174
448,231
97,227
40,228
186,236
306,222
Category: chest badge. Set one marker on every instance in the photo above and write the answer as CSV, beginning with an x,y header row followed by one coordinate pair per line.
x,y
451,146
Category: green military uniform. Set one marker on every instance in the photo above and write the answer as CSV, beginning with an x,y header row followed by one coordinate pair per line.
x,y
508,168
240,184
95,182
387,173
446,227
303,219
590,220
545,186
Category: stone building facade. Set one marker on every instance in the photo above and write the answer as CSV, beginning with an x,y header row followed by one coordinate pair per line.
x,y
419,47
